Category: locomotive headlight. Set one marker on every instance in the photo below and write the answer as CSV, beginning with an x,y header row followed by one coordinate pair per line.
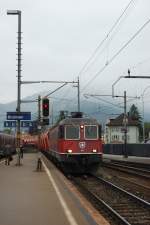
x,y
94,150
69,151
82,126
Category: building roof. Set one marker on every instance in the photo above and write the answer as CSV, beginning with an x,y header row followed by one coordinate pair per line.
x,y
118,121
87,121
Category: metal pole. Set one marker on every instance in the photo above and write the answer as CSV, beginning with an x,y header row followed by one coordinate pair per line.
x,y
52,112
39,109
143,119
143,111
19,86
125,125
39,120
78,95
115,84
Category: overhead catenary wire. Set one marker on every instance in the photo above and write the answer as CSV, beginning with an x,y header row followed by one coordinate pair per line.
x,y
105,38
108,102
97,102
132,67
116,54
107,45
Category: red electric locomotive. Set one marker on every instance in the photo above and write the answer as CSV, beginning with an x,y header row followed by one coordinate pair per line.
x,y
75,144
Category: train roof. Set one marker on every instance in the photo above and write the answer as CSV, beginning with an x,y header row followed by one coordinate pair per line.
x,y
87,121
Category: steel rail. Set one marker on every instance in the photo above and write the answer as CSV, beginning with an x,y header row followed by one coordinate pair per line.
x,y
133,168
141,201
124,169
103,204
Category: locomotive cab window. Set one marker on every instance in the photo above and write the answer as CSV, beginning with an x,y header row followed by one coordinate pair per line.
x,y
61,132
100,131
91,132
72,132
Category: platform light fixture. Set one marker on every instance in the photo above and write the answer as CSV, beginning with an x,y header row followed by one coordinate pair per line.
x,y
13,12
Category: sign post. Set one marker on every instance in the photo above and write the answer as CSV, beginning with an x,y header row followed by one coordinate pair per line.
x,y
14,120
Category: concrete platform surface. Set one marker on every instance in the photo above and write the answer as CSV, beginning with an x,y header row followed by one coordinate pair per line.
x,y
28,197
145,160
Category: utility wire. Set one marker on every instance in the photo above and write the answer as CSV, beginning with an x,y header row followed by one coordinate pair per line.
x,y
106,37
116,54
108,102
110,38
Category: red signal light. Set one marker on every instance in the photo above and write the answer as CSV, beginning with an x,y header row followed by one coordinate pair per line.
x,y
45,107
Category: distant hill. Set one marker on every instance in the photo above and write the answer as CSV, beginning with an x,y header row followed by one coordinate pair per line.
x,y
98,111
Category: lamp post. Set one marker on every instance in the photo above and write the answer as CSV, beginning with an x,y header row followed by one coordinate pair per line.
x,y
143,111
18,13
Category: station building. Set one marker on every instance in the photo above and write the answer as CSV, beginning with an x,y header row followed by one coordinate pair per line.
x,y
114,131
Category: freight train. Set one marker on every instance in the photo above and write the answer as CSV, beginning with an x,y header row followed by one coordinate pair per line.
x,y
74,144
5,140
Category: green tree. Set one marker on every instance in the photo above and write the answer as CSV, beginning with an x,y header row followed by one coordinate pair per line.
x,y
147,129
135,115
7,131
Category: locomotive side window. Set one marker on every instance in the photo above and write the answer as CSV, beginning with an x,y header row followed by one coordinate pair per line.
x,y
91,132
72,132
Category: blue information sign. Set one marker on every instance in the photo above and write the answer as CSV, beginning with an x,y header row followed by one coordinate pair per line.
x,y
22,124
18,116
9,123
27,123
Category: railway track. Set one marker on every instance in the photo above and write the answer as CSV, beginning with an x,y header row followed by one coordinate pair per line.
x,y
129,163
122,206
133,184
144,173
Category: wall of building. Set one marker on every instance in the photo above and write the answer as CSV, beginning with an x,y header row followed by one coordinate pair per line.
x,y
116,134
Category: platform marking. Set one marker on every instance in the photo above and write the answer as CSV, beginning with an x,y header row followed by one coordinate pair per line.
x,y
67,211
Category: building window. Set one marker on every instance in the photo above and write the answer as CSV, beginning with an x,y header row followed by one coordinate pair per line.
x,y
115,137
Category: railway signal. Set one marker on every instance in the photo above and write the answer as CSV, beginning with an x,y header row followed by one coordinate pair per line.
x,y
45,107
45,121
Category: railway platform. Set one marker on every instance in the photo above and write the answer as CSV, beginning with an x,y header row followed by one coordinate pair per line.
x,y
135,159
28,197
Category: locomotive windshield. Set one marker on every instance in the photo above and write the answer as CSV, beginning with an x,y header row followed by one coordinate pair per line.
x,y
72,132
91,132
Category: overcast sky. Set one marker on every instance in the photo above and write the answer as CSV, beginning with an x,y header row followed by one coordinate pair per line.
x,y
59,37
